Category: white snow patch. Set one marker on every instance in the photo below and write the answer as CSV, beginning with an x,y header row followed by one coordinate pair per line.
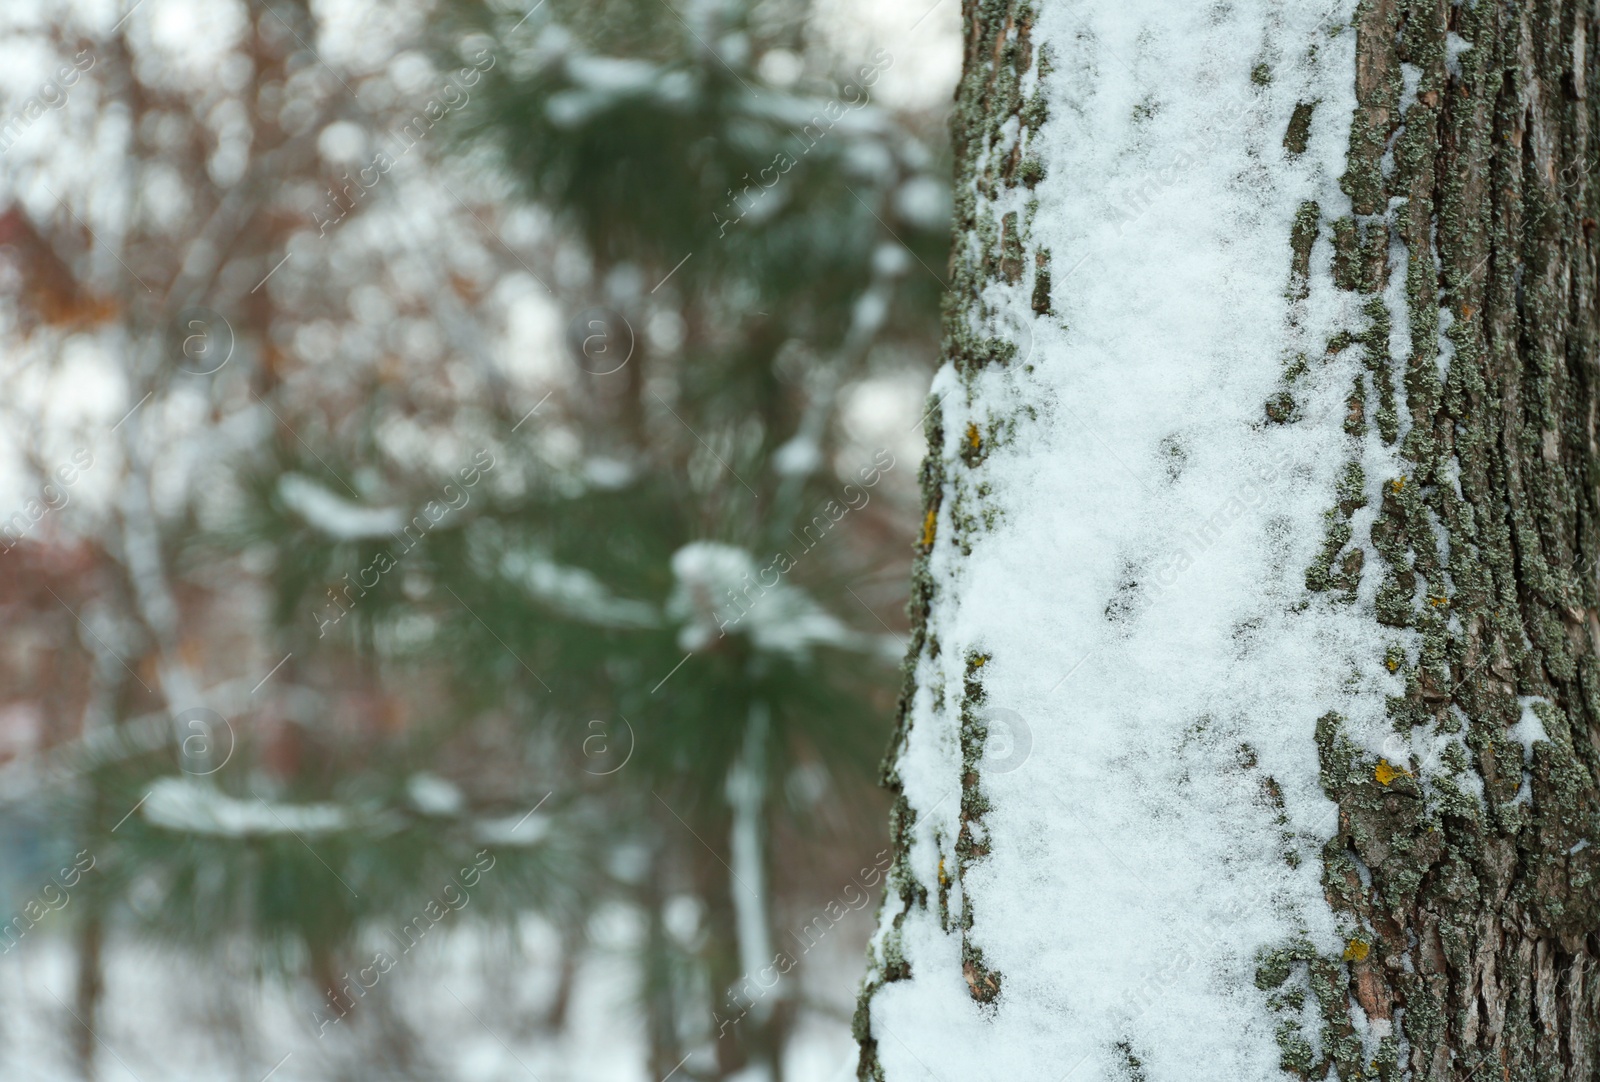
x,y
198,807
574,591
1471,783
1454,46
1447,347
721,589
1529,728
799,457
609,473
525,829
434,795
334,515
1411,79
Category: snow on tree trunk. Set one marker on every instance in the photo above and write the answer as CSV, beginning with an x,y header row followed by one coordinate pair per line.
x,y
1251,718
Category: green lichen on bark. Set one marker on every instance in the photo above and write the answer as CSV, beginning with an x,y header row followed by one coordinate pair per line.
x,y
1041,282
972,844
1000,81
1301,239
1469,879
902,890
989,163
1331,570
1294,139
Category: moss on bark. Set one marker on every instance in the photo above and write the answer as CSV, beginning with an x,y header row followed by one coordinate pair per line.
x,y
989,160
1476,915
1466,875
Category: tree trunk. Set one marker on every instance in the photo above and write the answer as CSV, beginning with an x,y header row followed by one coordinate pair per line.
x,y
90,988
659,983
1251,722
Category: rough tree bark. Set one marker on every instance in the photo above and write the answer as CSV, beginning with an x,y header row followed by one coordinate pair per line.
x,y
1267,535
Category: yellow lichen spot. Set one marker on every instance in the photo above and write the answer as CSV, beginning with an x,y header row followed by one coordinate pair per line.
x,y
943,879
1397,485
1393,663
977,662
928,525
1437,601
1355,950
1386,772
974,440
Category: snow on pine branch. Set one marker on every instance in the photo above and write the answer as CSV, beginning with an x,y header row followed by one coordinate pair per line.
x,y
335,516
722,588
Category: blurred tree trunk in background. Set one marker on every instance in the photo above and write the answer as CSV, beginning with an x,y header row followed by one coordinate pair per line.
x,y
90,987
1409,872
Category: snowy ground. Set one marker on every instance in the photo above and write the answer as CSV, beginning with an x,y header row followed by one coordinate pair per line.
x,y
473,1017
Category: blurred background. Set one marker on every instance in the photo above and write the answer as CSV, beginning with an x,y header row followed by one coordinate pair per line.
x,y
457,491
